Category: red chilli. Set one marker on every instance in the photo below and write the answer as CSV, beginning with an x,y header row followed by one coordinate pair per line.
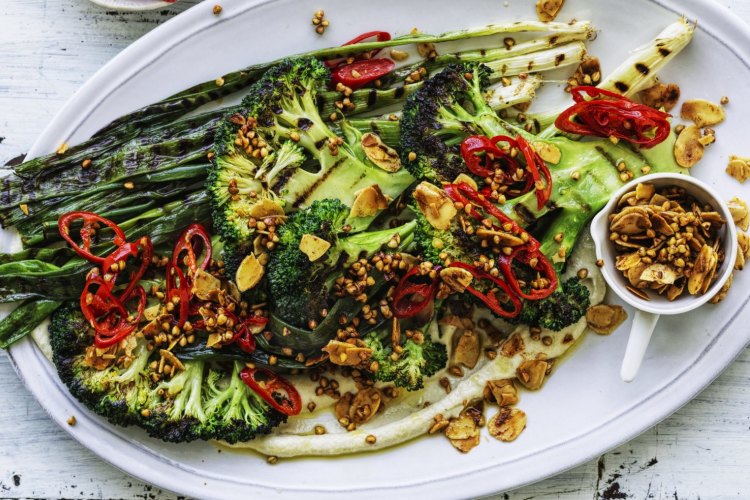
x,y
482,154
607,114
360,73
526,255
413,294
490,299
91,223
380,36
274,389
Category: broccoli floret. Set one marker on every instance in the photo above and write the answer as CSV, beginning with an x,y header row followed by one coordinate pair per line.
x,y
563,308
202,402
292,155
199,402
417,361
449,107
234,413
236,181
299,288
454,243
114,392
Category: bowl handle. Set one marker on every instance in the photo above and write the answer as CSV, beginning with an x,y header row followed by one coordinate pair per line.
x,y
640,335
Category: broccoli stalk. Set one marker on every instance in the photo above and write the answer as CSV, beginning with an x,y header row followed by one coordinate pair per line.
x,y
583,181
280,147
451,106
234,413
185,389
299,287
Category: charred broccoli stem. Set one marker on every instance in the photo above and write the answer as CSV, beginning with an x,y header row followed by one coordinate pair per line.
x,y
300,288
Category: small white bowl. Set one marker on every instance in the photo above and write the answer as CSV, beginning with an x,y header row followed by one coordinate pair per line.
x,y
648,311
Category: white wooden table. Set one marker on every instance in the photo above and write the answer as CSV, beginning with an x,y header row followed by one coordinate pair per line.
x,y
47,49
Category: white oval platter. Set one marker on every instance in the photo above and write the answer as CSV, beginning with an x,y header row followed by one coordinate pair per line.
x,y
584,408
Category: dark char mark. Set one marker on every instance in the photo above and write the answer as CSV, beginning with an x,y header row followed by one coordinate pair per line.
x,y
525,214
301,199
642,68
607,156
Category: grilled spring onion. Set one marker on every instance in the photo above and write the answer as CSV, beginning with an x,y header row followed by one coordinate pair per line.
x,y
511,49
636,72
198,95
517,90
544,60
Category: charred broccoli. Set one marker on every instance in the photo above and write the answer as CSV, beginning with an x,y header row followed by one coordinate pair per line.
x,y
199,402
563,308
280,147
438,117
299,287
420,358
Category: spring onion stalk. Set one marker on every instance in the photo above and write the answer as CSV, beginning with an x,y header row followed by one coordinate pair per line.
x,y
24,319
636,72
544,60
489,54
519,91
198,95
367,100
147,155
464,34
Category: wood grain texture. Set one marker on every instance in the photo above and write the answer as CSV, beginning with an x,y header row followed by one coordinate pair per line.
x,y
47,49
